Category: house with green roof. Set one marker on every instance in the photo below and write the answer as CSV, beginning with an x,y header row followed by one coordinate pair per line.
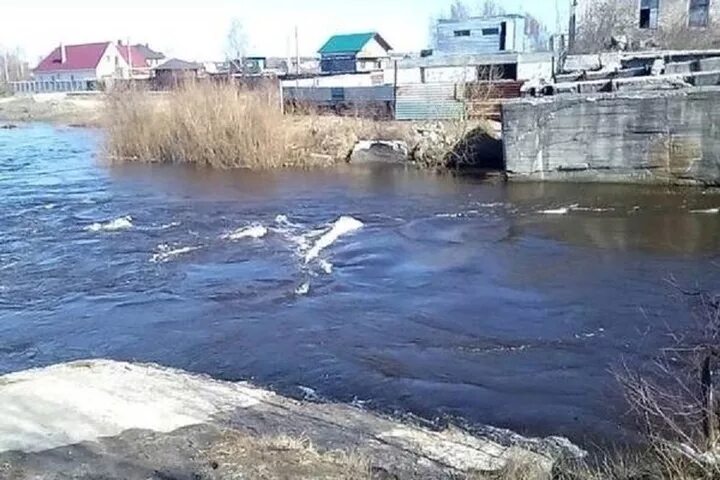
x,y
353,53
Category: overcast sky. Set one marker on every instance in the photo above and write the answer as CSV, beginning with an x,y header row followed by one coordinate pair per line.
x,y
196,29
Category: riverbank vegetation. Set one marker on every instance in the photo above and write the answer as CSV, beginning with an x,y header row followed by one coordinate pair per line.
x,y
219,125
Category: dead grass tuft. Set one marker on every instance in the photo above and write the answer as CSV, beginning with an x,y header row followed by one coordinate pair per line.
x,y
238,455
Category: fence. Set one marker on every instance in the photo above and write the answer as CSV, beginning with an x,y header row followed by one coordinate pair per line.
x,y
453,101
376,102
53,86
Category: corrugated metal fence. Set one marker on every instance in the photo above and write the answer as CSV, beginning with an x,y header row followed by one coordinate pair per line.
x,y
430,101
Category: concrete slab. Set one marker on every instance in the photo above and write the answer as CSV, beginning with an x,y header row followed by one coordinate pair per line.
x,y
109,419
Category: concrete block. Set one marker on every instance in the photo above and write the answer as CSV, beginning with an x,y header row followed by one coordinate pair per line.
x,y
705,79
634,137
679,68
709,64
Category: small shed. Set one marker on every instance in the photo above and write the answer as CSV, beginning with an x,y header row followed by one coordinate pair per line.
x,y
175,71
356,52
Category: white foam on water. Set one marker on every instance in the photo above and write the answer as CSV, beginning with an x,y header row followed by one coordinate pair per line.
x,y
590,209
343,226
122,223
166,253
556,211
303,289
713,211
49,206
594,334
254,231
326,266
170,225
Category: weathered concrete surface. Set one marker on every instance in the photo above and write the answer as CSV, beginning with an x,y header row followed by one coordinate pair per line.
x,y
111,420
668,137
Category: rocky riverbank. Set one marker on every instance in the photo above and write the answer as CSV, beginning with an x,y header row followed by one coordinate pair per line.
x,y
113,420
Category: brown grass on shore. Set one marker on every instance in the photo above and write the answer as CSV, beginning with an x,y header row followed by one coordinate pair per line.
x,y
220,126
238,455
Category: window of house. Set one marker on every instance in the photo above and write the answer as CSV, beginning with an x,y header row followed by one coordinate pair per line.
x,y
462,33
649,13
699,13
491,31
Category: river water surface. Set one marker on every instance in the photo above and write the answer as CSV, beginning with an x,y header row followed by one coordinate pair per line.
x,y
402,291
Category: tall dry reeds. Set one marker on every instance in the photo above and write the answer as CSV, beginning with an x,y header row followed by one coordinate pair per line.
x,y
206,124
220,125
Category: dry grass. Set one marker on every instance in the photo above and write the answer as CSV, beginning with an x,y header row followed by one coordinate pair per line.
x,y
220,126
238,455
205,124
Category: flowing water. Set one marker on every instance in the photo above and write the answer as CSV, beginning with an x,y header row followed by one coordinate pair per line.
x,y
495,304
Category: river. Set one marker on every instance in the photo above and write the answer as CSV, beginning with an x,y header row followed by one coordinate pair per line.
x,y
506,305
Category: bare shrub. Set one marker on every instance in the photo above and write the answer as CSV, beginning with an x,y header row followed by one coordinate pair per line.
x,y
676,401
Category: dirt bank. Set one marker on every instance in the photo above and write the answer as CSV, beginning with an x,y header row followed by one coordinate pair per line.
x,y
111,420
80,110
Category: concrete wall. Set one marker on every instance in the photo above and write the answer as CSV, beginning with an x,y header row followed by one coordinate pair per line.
x,y
643,137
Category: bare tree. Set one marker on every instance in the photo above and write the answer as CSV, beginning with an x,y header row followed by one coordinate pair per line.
x,y
13,66
236,43
602,20
459,10
490,8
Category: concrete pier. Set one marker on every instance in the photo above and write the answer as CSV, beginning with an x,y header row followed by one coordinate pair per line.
x,y
660,137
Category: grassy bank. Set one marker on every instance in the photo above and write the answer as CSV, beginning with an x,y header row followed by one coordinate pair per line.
x,y
57,108
221,126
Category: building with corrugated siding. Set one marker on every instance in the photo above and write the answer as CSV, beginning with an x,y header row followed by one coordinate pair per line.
x,y
357,52
482,35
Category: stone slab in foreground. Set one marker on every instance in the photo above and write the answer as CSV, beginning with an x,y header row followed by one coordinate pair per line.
x,y
105,419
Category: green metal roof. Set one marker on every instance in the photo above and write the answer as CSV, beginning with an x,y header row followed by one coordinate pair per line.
x,y
352,43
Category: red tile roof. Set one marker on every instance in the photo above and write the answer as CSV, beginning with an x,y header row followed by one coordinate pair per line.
x,y
79,57
138,59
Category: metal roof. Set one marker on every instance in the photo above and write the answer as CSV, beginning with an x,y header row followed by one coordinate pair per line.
x,y
148,52
177,64
351,43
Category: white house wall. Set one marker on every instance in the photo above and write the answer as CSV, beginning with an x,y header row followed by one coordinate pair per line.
x,y
357,80
450,74
108,67
372,49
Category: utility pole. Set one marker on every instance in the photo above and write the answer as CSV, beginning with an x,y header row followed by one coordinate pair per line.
x,y
573,25
297,58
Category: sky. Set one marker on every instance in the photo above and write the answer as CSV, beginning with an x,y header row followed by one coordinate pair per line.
x,y
197,29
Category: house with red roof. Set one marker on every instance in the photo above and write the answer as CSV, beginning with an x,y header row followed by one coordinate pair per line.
x,y
72,65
